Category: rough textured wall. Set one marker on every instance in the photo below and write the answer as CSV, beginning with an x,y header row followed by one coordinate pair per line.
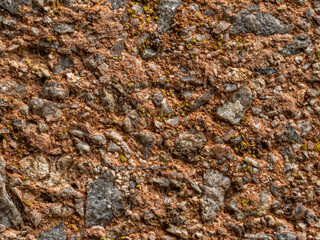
x,y
159,119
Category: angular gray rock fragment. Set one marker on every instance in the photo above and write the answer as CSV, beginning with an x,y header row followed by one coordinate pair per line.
x,y
53,91
117,48
45,109
126,149
63,28
259,236
68,3
178,232
167,10
113,147
166,108
116,4
188,144
201,101
113,135
147,141
252,20
64,64
290,135
157,98
9,215
285,236
103,201
215,187
298,44
35,218
98,139
82,147
56,233
13,6
267,71
148,54
173,121
236,106
36,168
221,27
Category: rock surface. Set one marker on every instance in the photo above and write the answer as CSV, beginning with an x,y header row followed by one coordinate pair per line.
x,y
253,20
236,106
159,119
103,201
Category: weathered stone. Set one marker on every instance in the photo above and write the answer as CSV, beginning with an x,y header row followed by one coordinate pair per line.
x,y
290,135
221,27
103,201
98,139
188,144
111,134
298,44
147,141
252,20
15,6
56,233
9,215
36,168
167,10
285,236
116,4
63,65
236,106
82,147
45,109
201,101
63,28
53,91
148,54
267,71
178,232
215,187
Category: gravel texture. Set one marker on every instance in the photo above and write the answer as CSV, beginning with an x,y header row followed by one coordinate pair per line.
x,y
159,119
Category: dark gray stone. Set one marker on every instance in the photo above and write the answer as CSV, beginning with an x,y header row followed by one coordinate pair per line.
x,y
9,215
147,141
64,64
53,91
167,10
290,135
103,201
266,71
56,233
252,20
298,44
116,4
202,100
12,6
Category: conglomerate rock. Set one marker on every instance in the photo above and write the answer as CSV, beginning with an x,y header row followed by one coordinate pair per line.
x,y
159,119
